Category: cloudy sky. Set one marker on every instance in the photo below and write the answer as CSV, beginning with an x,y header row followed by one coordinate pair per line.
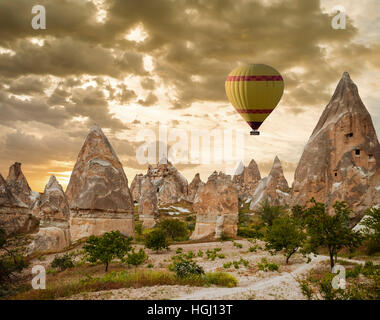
x,y
134,65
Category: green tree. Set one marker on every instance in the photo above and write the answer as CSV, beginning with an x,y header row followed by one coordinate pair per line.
x,y
156,240
107,247
136,258
372,229
331,231
11,264
285,234
174,228
268,213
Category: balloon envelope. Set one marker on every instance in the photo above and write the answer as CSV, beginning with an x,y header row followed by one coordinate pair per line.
x,y
254,90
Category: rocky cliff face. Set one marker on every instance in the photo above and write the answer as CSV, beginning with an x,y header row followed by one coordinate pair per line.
x,y
171,186
273,188
52,208
194,186
136,187
19,186
98,193
148,209
341,160
15,216
246,179
216,206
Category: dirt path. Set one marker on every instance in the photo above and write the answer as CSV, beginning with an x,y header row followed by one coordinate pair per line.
x,y
284,286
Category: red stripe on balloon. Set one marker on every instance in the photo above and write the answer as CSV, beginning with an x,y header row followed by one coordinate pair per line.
x,y
254,78
255,111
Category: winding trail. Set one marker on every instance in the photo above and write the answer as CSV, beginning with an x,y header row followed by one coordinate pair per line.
x,y
286,282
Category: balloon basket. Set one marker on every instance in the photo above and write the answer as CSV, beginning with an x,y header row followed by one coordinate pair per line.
x,y
255,133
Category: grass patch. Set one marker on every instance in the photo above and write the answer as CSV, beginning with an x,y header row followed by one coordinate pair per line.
x,y
124,279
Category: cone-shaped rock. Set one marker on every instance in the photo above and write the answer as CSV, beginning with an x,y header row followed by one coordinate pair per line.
x,y
52,209
98,193
246,179
273,188
19,186
136,187
341,160
216,206
148,209
171,186
194,186
15,216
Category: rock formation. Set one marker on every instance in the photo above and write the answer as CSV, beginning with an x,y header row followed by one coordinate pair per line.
x,y
216,206
148,210
171,186
136,187
19,186
194,186
341,160
15,216
273,188
98,193
246,179
52,208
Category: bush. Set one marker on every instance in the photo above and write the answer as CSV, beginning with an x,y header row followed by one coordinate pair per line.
x,y
372,230
62,262
250,232
237,245
227,265
175,229
200,253
156,240
179,250
187,268
136,258
107,247
212,254
222,279
267,266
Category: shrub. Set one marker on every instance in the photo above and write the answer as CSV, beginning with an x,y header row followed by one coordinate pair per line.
x,y
200,253
267,266
190,255
237,245
212,254
227,265
150,265
62,262
136,258
179,250
222,279
175,229
156,240
372,230
186,268
107,247
138,228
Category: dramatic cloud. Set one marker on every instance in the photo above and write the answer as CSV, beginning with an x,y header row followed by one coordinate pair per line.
x,y
107,61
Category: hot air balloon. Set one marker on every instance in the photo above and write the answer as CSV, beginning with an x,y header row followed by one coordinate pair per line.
x,y
254,90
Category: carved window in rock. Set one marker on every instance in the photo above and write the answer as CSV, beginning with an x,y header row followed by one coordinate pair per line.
x,y
349,135
335,173
357,152
371,158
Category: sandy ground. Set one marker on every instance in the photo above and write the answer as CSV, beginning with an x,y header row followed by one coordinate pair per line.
x,y
253,283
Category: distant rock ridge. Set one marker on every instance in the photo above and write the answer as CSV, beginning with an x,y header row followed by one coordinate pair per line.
x,y
341,160
273,188
194,187
19,186
246,179
52,208
98,193
15,216
216,206
148,209
136,187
